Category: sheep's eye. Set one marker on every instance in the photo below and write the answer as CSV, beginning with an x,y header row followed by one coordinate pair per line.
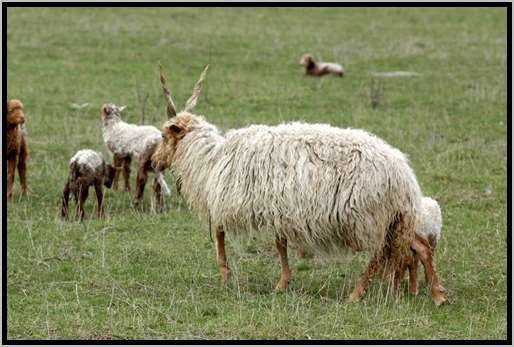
x,y
163,136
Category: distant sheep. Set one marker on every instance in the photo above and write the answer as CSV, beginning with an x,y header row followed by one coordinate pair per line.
x,y
17,150
314,68
317,186
125,140
87,168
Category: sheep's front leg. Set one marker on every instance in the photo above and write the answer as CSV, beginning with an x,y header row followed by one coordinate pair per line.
x,y
285,276
413,276
423,250
99,198
158,194
11,167
220,253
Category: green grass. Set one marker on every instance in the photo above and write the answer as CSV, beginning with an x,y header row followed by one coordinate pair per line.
x,y
154,276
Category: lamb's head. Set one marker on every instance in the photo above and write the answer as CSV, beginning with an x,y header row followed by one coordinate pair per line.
x,y
431,221
178,125
307,60
15,113
111,112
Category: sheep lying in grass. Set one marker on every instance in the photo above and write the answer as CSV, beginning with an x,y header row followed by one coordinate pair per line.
x,y
87,168
125,140
17,151
313,185
428,231
314,68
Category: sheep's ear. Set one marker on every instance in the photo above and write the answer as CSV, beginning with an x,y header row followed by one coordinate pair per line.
x,y
106,109
121,108
176,131
191,102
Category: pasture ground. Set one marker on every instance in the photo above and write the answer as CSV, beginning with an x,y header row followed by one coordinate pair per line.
x,y
141,275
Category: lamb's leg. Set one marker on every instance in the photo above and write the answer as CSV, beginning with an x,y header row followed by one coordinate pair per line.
x,y
11,167
99,198
117,162
423,250
399,274
65,200
365,279
413,276
22,166
159,196
300,252
220,253
142,176
285,276
126,172
84,191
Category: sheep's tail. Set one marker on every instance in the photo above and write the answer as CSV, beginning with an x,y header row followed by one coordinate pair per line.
x,y
160,178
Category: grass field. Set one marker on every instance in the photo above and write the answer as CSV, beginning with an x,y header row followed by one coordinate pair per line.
x,y
142,275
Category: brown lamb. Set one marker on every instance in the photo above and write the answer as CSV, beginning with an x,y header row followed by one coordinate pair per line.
x,y
17,151
87,168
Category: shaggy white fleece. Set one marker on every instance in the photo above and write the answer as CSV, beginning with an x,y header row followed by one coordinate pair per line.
x,y
129,139
322,187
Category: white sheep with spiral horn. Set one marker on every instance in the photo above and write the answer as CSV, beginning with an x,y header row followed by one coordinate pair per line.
x,y
320,187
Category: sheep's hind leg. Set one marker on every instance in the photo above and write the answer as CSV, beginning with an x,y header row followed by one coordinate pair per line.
x,y
142,176
126,172
22,167
285,276
158,194
220,253
99,198
84,191
423,250
364,281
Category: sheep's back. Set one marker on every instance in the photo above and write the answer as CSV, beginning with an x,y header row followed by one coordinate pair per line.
x,y
88,162
130,139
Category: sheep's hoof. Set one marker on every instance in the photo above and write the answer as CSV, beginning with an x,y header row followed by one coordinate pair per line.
x,y
354,298
357,294
281,287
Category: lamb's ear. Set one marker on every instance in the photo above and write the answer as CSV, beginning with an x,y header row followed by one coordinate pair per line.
x,y
121,108
191,102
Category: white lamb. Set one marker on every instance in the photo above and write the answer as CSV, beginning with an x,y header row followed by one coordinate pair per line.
x,y
126,140
318,186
